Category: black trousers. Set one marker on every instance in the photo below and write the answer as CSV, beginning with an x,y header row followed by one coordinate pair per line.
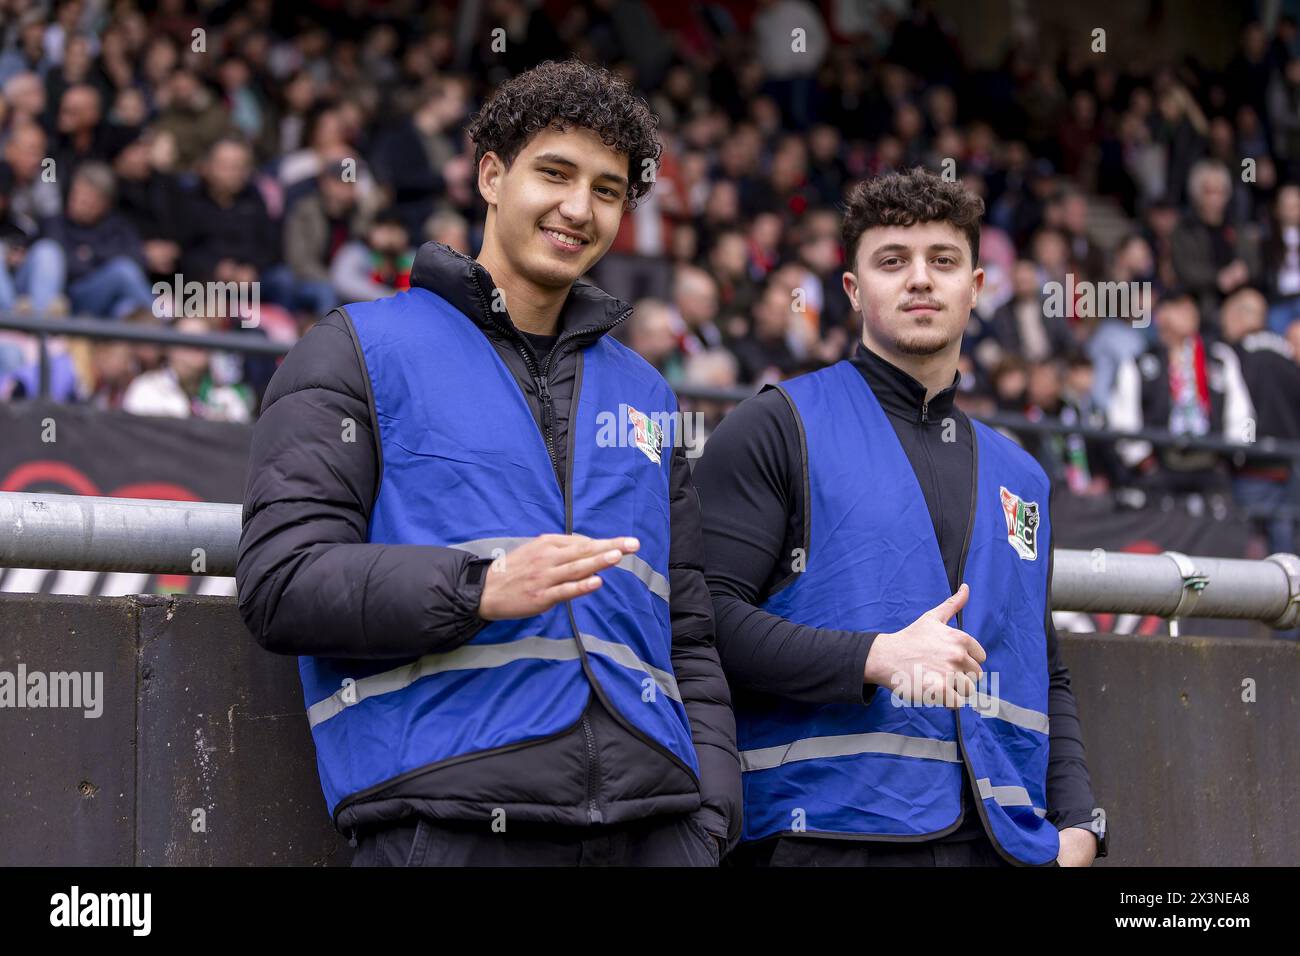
x,y
655,841
811,851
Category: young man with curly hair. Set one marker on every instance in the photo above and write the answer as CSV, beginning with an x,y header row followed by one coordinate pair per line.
x,y
467,517
849,515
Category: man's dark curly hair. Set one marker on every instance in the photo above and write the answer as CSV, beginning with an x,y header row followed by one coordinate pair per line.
x,y
563,96
908,198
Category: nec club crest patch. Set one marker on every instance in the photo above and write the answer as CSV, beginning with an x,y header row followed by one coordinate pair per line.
x,y
647,434
1022,524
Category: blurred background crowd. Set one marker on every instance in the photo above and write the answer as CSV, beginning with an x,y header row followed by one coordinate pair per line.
x,y
312,149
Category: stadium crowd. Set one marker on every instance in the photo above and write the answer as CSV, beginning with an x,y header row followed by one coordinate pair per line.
x,y
309,151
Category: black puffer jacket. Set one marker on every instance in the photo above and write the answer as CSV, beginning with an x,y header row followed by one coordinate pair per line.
x,y
310,584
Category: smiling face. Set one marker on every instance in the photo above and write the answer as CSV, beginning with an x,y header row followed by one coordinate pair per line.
x,y
555,211
914,286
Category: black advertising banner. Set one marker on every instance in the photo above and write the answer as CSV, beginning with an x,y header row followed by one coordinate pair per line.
x,y
1085,524
76,450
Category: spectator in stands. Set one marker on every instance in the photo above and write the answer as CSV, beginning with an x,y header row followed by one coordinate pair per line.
x,y
148,195
788,66
82,134
1063,391
650,333
1282,258
316,228
1091,465
728,261
1074,225
31,268
24,93
1268,367
714,368
409,157
28,55
819,253
35,193
327,145
193,115
105,261
695,304
765,353
380,265
107,370
1116,338
1284,114
449,228
1293,338
184,388
1212,256
228,235
1188,385
1181,128
1024,326
1010,382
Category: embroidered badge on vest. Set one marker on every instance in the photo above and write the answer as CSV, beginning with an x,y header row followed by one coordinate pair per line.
x,y
647,434
1022,524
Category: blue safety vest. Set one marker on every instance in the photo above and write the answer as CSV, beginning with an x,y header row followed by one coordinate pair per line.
x,y
880,770
465,466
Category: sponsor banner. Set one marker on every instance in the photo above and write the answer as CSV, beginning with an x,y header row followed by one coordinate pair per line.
x,y
77,450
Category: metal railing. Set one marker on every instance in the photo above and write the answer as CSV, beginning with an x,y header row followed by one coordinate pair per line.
x,y
82,533
122,331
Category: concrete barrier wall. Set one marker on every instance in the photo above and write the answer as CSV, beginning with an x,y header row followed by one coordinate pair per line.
x,y
202,753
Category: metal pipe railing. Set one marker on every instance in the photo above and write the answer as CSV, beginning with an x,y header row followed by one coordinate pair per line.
x,y
1263,447
102,329
82,533
86,533
107,329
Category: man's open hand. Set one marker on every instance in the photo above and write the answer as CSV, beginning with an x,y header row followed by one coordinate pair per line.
x,y
551,568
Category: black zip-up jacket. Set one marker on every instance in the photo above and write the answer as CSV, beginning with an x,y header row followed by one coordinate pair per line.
x,y
750,480
310,584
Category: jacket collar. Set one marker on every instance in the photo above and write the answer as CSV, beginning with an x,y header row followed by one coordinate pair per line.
x,y
588,312
898,393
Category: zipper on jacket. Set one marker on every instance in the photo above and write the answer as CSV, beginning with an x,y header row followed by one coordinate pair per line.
x,y
924,439
573,621
593,771
541,378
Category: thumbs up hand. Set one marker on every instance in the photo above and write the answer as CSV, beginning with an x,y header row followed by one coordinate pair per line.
x,y
928,655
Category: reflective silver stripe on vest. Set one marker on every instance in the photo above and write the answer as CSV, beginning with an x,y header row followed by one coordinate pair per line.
x,y
843,745
481,656
989,706
495,547
465,657
622,654
1007,796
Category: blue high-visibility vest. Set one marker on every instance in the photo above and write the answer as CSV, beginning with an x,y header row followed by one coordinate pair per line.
x,y
880,770
465,466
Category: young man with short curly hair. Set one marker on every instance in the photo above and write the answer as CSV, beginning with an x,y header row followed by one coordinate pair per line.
x,y
849,515
467,514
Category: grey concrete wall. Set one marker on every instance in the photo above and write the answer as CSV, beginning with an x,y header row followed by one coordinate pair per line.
x,y
196,717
